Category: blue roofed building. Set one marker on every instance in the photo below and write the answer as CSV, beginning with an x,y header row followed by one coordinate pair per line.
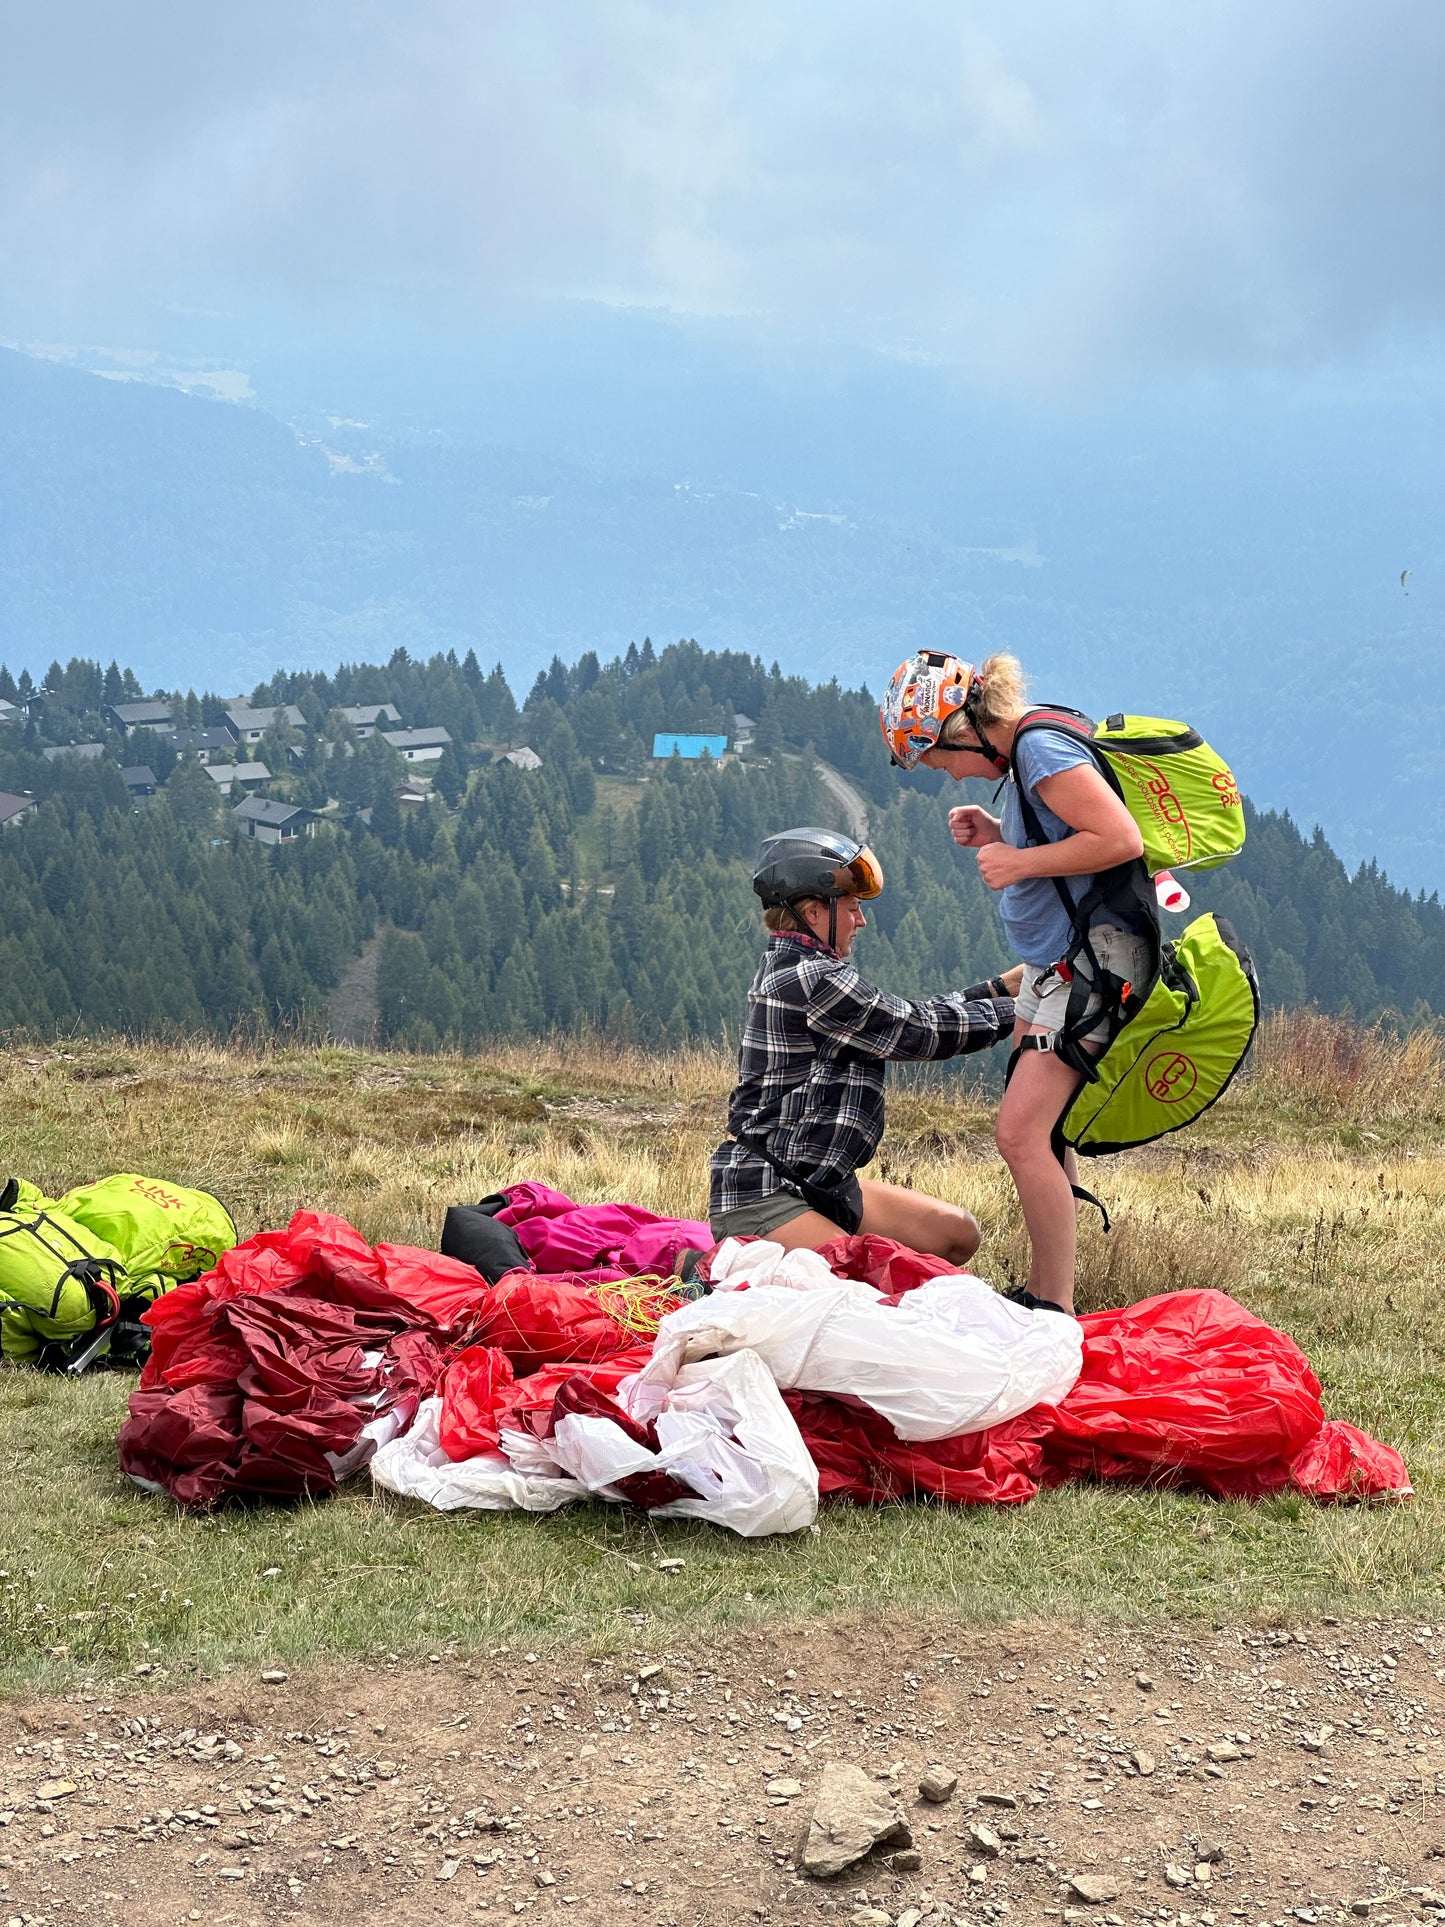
x,y
690,748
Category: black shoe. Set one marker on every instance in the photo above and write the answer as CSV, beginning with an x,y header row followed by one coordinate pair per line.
x,y
1021,1295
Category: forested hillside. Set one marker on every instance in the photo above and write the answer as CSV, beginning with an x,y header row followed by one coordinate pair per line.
x,y
602,891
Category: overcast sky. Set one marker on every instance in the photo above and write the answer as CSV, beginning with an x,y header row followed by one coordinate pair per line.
x,y
1068,187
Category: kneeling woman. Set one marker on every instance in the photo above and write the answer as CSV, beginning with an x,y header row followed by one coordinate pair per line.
x,y
807,1112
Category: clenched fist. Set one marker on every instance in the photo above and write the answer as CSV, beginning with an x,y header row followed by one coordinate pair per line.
x,y
972,827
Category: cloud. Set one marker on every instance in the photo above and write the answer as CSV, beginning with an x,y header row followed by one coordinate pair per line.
x,y
1060,189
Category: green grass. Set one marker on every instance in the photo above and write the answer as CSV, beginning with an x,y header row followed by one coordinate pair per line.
x,y
1338,1238
101,1580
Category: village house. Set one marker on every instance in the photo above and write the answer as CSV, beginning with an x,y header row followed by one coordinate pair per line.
x,y
144,715
15,807
367,718
418,745
271,822
207,744
250,725
242,776
689,748
86,752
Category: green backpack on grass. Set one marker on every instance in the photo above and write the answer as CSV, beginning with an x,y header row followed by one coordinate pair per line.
x,y
59,1283
165,1232
78,1275
1174,1041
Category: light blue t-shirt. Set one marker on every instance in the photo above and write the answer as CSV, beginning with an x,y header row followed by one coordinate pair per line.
x,y
1034,920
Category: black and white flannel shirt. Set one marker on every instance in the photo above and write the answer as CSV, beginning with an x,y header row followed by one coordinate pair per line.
x,y
811,1066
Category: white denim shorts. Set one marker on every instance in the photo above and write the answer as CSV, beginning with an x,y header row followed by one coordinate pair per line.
x,y
1043,999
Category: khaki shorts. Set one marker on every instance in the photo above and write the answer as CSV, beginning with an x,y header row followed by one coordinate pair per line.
x,y
758,1219
1043,999
762,1218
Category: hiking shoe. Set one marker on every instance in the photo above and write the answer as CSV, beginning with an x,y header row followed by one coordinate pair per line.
x,y
1021,1295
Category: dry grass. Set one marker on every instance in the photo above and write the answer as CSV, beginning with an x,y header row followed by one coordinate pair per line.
x,y
1315,1193
1321,1068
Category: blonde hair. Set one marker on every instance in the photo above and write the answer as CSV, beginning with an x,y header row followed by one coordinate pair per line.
x,y
1002,697
779,917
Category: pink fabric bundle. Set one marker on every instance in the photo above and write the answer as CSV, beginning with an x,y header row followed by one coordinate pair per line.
x,y
606,1241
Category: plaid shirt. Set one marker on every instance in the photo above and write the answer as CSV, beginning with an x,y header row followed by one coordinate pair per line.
x,y
811,1066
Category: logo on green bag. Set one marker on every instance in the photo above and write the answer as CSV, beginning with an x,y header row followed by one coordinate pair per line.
x,y
1170,1077
1229,796
1170,818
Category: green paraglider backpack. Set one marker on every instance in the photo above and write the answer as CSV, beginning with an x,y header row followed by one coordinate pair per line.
x,y
1180,792
165,1232
59,1283
1172,1042
1178,1053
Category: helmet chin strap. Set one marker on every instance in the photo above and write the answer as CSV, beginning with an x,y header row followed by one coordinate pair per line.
x,y
986,748
807,929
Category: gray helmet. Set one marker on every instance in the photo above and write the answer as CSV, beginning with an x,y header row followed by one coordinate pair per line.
x,y
815,863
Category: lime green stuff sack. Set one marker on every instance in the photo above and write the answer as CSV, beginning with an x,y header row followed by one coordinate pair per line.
x,y
28,1198
164,1232
1177,1054
56,1279
1180,792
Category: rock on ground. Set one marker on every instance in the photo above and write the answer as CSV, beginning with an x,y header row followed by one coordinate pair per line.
x,y
851,1816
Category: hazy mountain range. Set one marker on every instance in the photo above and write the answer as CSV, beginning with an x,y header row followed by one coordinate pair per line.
x,y
586,480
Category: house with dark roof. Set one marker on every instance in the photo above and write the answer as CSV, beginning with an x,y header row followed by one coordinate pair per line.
x,y
15,806
146,715
140,780
271,822
85,752
207,744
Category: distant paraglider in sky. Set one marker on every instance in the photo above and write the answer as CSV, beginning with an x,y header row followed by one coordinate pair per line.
x,y
1404,578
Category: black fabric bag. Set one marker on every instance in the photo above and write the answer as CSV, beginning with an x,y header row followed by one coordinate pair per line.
x,y
471,1233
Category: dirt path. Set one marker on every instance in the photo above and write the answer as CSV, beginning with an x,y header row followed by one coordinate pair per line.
x,y
850,800
354,1010
1212,1777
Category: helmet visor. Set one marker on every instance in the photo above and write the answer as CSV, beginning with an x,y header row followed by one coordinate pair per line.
x,y
863,877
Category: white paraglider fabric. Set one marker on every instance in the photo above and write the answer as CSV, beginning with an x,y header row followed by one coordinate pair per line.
x,y
723,1429
416,1467
952,1357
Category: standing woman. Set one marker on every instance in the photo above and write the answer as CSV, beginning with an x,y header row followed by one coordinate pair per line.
x,y
807,1112
945,714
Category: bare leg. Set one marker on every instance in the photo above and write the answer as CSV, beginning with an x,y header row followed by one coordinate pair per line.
x,y
913,1218
909,1217
1038,1091
806,1232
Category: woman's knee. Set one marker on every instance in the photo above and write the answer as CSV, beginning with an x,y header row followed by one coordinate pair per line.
x,y
1018,1136
964,1238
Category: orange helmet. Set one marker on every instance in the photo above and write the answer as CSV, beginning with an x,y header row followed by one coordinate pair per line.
x,y
925,691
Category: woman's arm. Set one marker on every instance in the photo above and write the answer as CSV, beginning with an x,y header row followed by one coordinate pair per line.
x,y
1104,834
846,1009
